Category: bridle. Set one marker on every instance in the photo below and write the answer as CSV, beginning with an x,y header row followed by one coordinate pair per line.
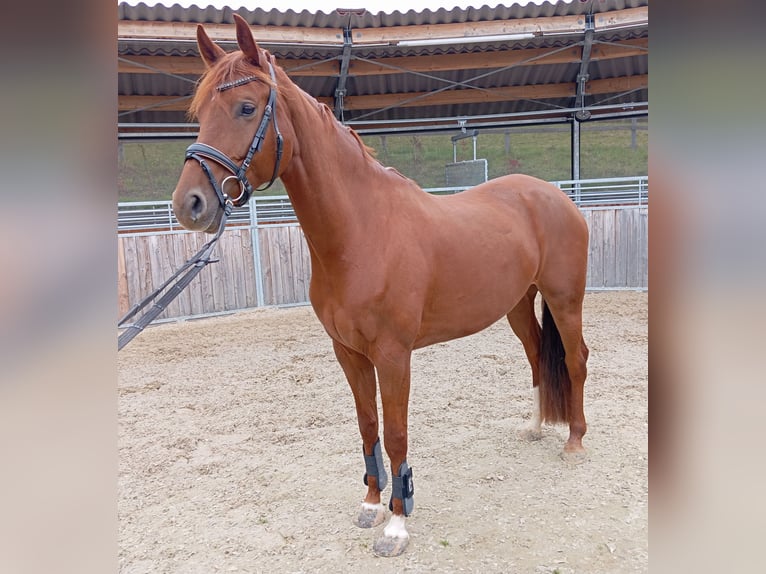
x,y
201,151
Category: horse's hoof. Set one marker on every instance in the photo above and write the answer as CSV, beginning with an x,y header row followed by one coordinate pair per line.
x,y
389,546
370,515
531,434
574,457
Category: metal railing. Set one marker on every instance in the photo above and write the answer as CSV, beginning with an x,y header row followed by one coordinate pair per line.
x,y
607,192
158,216
139,216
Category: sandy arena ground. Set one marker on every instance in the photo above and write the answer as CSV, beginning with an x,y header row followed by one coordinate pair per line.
x,y
239,452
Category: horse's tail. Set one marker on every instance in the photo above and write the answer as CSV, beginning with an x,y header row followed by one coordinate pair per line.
x,y
555,384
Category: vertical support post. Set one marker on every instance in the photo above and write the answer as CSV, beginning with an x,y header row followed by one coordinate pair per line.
x,y
576,158
643,242
633,126
256,240
474,146
582,113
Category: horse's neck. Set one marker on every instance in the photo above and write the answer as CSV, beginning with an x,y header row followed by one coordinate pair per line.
x,y
337,191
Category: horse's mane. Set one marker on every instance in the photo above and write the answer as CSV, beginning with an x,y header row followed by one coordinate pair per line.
x,y
367,150
330,118
232,67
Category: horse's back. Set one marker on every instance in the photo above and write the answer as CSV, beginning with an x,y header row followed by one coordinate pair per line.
x,y
537,224
528,204
518,189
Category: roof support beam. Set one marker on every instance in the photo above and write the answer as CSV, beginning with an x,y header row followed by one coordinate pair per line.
x,y
450,97
129,130
191,65
187,31
498,59
538,92
556,25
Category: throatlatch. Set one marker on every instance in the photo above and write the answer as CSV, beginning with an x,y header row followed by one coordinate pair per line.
x,y
375,467
403,489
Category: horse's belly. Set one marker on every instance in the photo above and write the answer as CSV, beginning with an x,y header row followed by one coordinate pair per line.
x,y
433,336
474,286
451,318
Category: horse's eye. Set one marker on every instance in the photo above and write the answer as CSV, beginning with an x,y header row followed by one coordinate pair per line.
x,y
247,109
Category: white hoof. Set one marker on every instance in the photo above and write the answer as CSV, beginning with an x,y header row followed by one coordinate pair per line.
x,y
395,538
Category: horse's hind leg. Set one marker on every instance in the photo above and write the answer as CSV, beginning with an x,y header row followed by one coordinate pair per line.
x,y
526,327
360,374
566,310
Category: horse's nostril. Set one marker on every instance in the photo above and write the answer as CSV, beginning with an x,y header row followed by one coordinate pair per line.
x,y
196,205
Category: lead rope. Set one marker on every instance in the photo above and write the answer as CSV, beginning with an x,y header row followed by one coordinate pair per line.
x,y
198,261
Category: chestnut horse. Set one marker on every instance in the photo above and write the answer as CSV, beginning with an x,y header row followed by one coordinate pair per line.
x,y
393,268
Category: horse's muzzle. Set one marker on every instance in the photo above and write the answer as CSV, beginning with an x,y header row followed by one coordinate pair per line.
x,y
195,211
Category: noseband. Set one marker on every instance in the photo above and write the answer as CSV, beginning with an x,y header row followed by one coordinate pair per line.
x,y
200,151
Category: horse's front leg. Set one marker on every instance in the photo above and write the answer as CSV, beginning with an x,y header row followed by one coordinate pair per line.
x,y
360,374
393,367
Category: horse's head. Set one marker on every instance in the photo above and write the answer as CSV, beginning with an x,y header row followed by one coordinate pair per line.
x,y
239,146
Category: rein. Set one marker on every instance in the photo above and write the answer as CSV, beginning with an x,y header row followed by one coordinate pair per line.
x,y
199,260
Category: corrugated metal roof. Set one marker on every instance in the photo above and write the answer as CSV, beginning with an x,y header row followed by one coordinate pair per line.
x,y
339,19
159,84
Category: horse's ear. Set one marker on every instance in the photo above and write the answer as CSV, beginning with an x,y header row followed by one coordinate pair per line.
x,y
246,42
209,51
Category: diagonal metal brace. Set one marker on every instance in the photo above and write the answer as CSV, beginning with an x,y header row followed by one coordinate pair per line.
x,y
345,58
582,75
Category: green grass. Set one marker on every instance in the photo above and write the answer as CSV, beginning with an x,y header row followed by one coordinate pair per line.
x,y
148,171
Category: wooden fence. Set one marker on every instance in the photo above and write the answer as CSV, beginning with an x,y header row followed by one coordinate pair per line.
x,y
269,265
618,255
